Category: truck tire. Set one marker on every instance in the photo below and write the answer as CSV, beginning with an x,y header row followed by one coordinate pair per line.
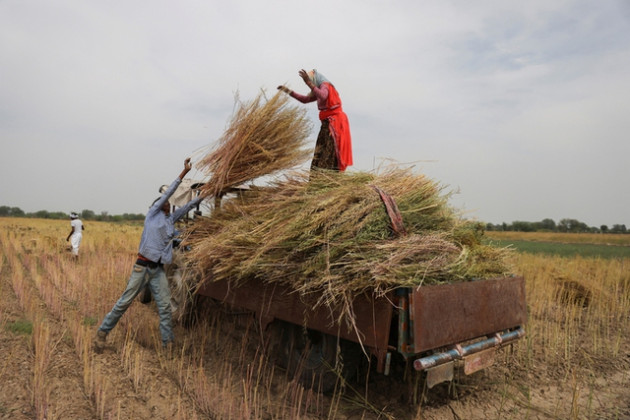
x,y
309,356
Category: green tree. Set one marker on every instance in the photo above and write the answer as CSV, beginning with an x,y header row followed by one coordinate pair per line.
x,y
572,226
132,216
58,215
523,226
618,229
42,214
17,212
547,224
88,215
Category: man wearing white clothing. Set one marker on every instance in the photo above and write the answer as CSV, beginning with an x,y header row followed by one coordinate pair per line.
x,y
76,234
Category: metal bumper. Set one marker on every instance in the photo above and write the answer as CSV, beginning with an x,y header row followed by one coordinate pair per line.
x,y
459,352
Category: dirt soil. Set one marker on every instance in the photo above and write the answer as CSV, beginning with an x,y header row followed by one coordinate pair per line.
x,y
531,393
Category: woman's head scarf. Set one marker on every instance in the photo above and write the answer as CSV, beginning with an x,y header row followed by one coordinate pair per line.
x,y
317,78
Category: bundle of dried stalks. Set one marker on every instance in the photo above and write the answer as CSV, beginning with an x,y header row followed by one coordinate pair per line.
x,y
264,136
331,235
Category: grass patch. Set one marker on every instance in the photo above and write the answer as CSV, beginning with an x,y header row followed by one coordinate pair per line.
x,y
20,326
566,249
89,321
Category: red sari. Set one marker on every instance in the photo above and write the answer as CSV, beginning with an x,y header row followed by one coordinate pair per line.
x,y
339,127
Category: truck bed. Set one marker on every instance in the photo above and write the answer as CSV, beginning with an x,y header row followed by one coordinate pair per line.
x,y
276,301
432,317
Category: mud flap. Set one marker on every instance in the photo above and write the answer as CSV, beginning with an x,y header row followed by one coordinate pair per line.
x,y
478,361
439,374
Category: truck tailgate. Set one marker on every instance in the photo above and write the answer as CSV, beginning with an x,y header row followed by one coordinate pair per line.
x,y
448,314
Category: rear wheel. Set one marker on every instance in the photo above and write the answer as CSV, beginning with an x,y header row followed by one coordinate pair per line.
x,y
309,356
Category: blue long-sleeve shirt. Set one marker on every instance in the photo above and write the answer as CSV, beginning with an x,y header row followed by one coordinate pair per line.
x,y
156,243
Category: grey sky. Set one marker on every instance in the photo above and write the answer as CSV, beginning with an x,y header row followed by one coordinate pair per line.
x,y
520,106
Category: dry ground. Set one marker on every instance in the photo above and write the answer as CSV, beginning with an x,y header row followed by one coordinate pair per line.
x,y
219,372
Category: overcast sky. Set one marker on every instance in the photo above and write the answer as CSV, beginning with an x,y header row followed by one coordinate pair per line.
x,y
521,107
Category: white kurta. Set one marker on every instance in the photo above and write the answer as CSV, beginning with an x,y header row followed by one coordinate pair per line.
x,y
77,235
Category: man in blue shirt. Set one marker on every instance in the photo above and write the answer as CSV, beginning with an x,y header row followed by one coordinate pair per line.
x,y
156,249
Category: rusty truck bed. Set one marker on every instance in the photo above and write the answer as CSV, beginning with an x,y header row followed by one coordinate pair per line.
x,y
276,301
438,316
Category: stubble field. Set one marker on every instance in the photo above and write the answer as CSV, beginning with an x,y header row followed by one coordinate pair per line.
x,y
574,362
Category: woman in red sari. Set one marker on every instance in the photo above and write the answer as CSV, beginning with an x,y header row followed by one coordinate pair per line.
x,y
333,149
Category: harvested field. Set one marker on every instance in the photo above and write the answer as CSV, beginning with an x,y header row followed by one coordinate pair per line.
x,y
573,364
331,235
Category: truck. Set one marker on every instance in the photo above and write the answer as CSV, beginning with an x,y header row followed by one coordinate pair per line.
x,y
435,328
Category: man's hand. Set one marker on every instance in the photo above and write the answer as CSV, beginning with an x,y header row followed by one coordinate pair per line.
x,y
284,89
187,168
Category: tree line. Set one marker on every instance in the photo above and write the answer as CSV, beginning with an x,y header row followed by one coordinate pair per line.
x,y
6,211
549,225
545,225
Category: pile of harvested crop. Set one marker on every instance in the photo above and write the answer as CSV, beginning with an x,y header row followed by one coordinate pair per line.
x,y
328,233
325,233
263,137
